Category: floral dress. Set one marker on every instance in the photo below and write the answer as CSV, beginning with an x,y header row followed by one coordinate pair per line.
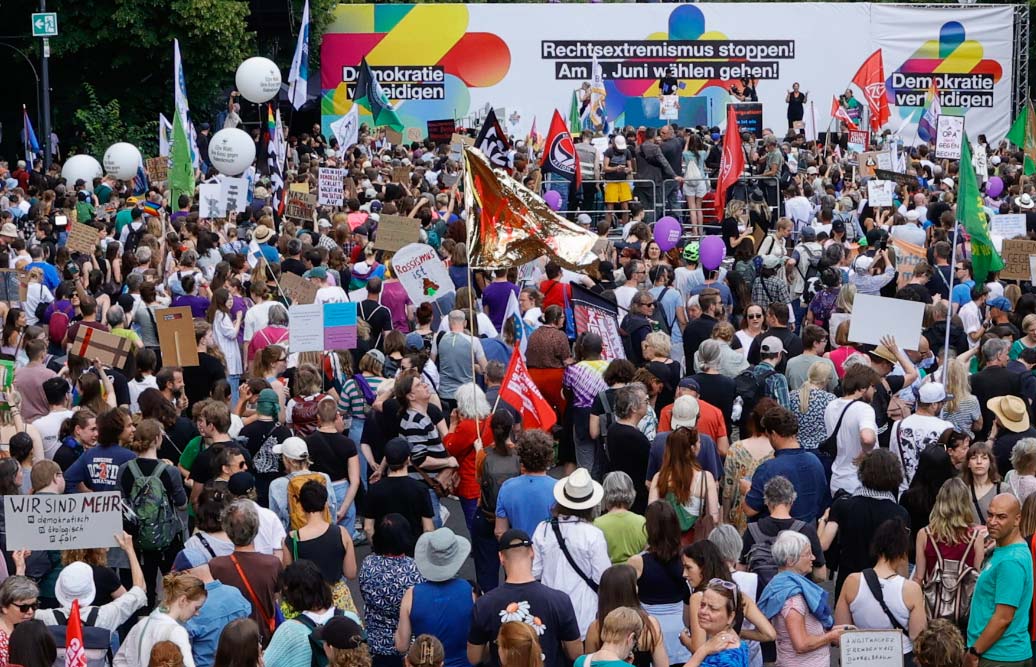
x,y
383,582
812,429
739,465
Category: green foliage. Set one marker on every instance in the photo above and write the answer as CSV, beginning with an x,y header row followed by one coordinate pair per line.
x,y
103,126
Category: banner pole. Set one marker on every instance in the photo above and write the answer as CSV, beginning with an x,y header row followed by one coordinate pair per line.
x,y
949,306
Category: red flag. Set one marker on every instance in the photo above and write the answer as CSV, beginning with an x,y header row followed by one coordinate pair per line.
x,y
75,653
732,162
838,112
559,155
519,390
871,80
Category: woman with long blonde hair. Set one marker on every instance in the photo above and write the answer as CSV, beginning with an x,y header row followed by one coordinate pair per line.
x,y
518,645
735,227
962,409
843,311
810,402
951,532
683,482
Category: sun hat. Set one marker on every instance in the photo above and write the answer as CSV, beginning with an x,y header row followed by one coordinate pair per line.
x,y
9,230
341,632
260,193
1011,412
578,491
440,554
76,582
885,354
262,234
1024,201
685,412
294,448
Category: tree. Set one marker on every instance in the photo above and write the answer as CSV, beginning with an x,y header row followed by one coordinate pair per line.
x,y
103,126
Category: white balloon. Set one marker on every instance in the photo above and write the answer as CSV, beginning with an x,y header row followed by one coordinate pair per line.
x,y
81,167
122,160
231,151
258,79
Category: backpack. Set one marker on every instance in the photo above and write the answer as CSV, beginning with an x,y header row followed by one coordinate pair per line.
x,y
496,470
158,523
316,646
100,643
607,418
949,585
133,237
784,177
760,555
57,327
297,515
304,415
751,388
811,277
658,314
634,324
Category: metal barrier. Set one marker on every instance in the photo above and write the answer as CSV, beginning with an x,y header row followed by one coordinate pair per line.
x,y
598,209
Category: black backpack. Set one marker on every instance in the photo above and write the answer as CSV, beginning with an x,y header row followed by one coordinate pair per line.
x,y
133,237
760,554
658,314
496,470
97,641
318,657
750,388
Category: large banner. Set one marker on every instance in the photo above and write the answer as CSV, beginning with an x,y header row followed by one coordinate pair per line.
x,y
446,61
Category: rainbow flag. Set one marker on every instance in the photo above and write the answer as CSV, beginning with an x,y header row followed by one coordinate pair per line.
x,y
151,208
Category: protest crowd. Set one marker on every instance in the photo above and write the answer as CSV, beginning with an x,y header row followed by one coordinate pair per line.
x,y
657,448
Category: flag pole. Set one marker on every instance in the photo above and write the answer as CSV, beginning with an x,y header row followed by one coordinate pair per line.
x,y
469,207
949,306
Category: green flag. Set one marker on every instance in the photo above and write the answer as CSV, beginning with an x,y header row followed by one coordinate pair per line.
x,y
370,94
1023,135
575,124
181,175
984,257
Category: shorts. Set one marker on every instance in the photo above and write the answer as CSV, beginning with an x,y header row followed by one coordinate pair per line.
x,y
695,188
617,192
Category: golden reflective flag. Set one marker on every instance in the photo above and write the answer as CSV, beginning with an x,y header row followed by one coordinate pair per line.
x,y
508,225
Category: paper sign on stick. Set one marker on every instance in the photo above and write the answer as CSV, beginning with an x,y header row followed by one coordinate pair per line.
x,y
299,206
318,327
879,193
395,231
298,290
394,137
1008,225
875,317
234,191
62,522
949,135
110,349
176,336
82,238
211,203
157,168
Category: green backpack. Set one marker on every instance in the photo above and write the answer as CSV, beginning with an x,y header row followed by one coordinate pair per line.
x,y
157,521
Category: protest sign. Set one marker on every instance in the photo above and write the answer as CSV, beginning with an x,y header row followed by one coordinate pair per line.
x,y
899,178
401,175
1008,225
234,191
440,131
13,285
422,274
395,231
317,327
907,257
296,289
176,336
871,648
110,349
594,314
1016,254
299,187
461,140
868,162
414,134
1032,271
949,134
879,193
61,522
749,117
82,238
875,317
299,206
857,140
211,203
886,160
331,186
981,162
669,107
157,168
394,137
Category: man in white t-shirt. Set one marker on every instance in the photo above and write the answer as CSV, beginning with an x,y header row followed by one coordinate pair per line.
x,y
972,317
921,429
325,293
49,425
270,538
635,274
858,431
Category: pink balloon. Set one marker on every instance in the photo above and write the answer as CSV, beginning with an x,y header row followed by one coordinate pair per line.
x,y
711,252
995,187
667,233
553,199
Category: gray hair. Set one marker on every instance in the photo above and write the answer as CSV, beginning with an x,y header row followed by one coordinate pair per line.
x,y
277,315
710,352
788,548
856,359
240,522
628,399
143,254
471,402
116,316
495,371
618,490
779,491
728,541
456,317
1023,456
16,588
993,348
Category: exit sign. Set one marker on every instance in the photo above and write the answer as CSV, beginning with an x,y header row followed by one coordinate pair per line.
x,y
45,24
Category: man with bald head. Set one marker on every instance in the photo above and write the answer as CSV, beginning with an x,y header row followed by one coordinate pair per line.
x,y
998,626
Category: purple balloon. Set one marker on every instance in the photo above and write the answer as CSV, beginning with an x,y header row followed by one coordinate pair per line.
x,y
995,187
553,199
711,252
667,233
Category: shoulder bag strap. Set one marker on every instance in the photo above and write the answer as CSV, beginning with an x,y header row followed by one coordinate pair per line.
x,y
978,509
568,556
205,543
255,598
838,424
871,577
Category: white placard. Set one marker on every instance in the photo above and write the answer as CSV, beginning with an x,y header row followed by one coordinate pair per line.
x,y
1032,269
422,274
211,203
58,522
885,161
669,107
875,317
1008,225
879,193
306,328
331,190
871,648
949,135
234,191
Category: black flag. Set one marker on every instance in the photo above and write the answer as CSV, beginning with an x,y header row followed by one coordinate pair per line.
x,y
493,142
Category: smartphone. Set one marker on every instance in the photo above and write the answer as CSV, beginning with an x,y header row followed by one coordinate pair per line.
x,y
60,220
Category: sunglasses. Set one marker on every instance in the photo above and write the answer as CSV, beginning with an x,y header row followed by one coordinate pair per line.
x,y
729,585
754,316
27,607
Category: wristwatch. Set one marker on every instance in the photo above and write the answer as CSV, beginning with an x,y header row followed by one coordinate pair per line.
x,y
972,651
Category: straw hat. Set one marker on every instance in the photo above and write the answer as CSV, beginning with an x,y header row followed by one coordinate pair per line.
x,y
1011,412
578,491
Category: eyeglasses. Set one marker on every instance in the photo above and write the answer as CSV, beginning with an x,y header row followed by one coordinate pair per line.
x,y
284,359
28,606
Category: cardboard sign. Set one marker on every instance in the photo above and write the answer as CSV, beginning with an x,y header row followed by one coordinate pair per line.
x,y
299,206
296,289
949,135
401,175
176,336
331,186
1007,226
423,275
61,522
858,140
234,192
1016,254
462,140
93,343
868,161
211,203
749,117
299,187
318,327
900,179
82,238
440,131
395,138
879,193
414,134
908,256
157,168
871,648
395,231
875,317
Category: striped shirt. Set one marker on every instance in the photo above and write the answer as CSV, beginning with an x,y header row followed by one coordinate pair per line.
x,y
420,432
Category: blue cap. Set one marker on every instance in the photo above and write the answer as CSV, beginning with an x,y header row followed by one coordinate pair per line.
x,y
1001,303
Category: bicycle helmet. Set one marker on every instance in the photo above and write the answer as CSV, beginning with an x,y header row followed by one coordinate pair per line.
x,y
690,251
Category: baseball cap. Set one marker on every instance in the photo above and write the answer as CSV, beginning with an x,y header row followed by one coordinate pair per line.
x,y
1001,303
771,261
933,392
584,219
397,451
189,558
808,234
685,412
513,539
690,383
240,483
324,222
341,632
316,272
294,448
772,345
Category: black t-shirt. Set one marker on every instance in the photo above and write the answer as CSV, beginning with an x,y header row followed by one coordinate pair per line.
x,y
377,316
330,453
198,380
171,480
106,582
292,265
256,433
176,438
880,403
858,518
201,471
546,609
616,158
717,390
65,456
399,495
628,451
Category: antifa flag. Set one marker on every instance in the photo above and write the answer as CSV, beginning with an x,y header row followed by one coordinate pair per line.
x,y
870,78
519,390
732,161
595,314
493,142
559,156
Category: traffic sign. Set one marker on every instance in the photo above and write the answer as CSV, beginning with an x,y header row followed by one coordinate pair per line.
x,y
45,24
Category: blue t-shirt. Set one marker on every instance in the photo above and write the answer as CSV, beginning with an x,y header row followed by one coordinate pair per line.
x,y
805,472
525,501
223,604
1006,578
98,468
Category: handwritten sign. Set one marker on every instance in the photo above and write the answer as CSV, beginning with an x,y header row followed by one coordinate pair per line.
x,y
176,336
234,191
875,317
414,134
401,175
157,168
1016,254
299,206
394,137
1007,226
871,648
949,135
82,238
879,193
331,186
296,289
423,275
395,231
60,522
318,327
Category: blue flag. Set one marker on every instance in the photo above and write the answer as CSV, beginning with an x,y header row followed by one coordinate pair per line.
x,y
32,144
